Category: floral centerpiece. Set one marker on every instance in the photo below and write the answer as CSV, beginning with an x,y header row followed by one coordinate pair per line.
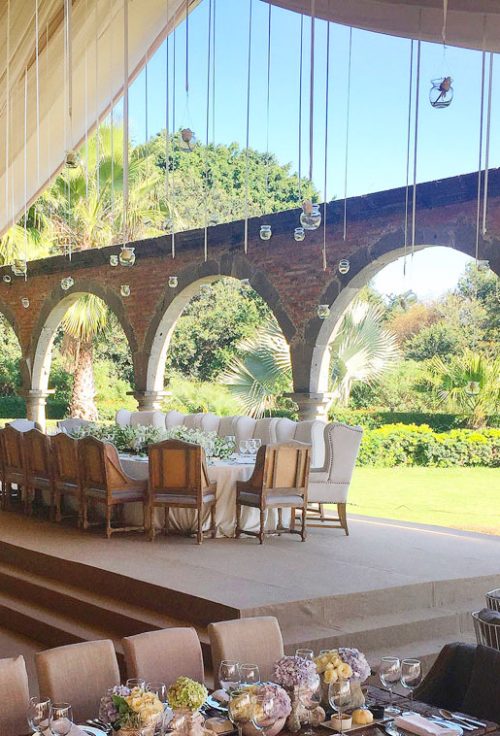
x,y
280,708
343,664
297,674
186,697
131,711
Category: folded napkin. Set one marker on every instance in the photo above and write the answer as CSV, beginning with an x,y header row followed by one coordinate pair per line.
x,y
75,731
422,726
221,696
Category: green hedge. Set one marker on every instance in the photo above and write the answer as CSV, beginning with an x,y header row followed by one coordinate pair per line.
x,y
12,407
373,418
400,444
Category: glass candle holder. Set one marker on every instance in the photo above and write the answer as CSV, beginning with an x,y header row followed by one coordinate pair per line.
x,y
265,232
299,234
127,256
323,311
344,266
19,267
25,302
67,283
173,281
310,217
441,92
125,290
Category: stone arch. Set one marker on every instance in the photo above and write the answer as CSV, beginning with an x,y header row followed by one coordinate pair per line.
x,y
175,300
9,315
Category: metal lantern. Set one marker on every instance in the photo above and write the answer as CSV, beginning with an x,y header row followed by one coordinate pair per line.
x,y
127,256
245,284
265,232
125,290
173,281
188,139
441,93
472,388
72,160
344,266
323,311
19,267
25,302
113,260
7,279
299,234
67,283
310,217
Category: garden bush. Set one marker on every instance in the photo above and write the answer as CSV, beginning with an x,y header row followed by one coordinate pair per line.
x,y
402,444
373,418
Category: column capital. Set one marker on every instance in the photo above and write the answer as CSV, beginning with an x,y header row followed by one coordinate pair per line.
x,y
36,400
149,400
311,405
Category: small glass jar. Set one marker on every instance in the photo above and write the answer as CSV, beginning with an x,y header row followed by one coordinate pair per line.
x,y
19,267
7,279
245,284
67,283
205,289
299,234
310,217
72,159
323,311
265,232
25,302
441,92
113,260
344,266
188,139
127,256
173,281
125,290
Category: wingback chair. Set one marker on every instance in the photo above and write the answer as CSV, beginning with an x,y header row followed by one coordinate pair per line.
x,y
72,423
330,484
13,464
278,481
105,482
39,470
164,655
178,478
66,470
15,695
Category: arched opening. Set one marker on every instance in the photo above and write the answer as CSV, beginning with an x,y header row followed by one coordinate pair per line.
x,y
12,405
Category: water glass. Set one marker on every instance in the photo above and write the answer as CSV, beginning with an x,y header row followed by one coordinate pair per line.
x,y
262,713
244,448
136,682
389,675
305,653
252,448
310,698
239,709
258,443
38,714
159,689
249,674
229,675
411,675
61,719
340,697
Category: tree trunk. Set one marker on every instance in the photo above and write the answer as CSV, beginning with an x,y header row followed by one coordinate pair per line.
x,y
82,404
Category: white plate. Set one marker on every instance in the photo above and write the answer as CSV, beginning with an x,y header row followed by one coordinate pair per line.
x,y
91,730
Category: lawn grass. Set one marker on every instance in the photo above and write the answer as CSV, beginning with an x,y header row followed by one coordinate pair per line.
x,y
460,498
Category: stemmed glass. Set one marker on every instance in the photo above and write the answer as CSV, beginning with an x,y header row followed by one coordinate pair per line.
x,y
244,448
390,674
305,653
39,712
250,674
239,709
159,689
262,712
229,675
134,682
61,719
310,697
257,442
411,675
340,698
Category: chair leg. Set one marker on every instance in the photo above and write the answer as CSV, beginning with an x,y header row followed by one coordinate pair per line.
x,y
199,532
151,528
280,518
303,531
212,521
321,511
167,520
262,523
85,513
342,512
57,506
109,530
237,531
293,511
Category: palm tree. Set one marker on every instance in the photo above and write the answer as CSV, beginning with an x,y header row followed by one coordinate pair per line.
x,y
362,351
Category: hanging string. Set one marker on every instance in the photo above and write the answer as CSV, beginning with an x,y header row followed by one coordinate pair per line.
x,y
69,6
37,74
125,120
347,125
187,47
311,93
47,72
268,100
209,50
415,152
146,98
86,86
301,63
213,69
408,147
249,79
327,94
479,173
172,187
167,92
25,173
97,142
445,18
111,120
7,114
487,151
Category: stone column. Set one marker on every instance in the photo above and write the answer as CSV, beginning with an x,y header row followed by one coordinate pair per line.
x,y
149,400
35,405
311,405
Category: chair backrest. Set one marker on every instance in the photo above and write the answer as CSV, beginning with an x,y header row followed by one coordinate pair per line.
x,y
286,467
147,419
341,450
13,448
177,468
174,418
23,425
265,430
100,466
244,428
37,448
72,423
312,432
164,655
226,426
285,429
209,422
193,421
15,696
79,674
65,459
255,640
122,417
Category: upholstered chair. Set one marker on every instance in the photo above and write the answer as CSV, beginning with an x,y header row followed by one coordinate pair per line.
x,y
265,430
209,422
193,421
243,428
72,423
147,419
122,417
15,695
330,484
285,430
312,432
66,470
226,427
174,419
23,425
164,655
79,674
257,640
178,478
13,464
105,482
278,481
39,467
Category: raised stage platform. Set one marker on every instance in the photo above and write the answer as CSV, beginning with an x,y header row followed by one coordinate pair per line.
x,y
389,587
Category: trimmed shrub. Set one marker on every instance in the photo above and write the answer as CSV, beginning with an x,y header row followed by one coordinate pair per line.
x,y
373,418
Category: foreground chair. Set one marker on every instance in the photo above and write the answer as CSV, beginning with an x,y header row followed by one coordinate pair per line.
x,y
15,695
66,473
39,469
13,465
105,482
164,655
278,481
23,425
257,640
330,484
79,674
465,678
178,478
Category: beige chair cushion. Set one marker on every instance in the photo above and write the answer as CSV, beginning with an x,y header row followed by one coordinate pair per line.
x,y
165,655
15,695
147,419
255,640
78,674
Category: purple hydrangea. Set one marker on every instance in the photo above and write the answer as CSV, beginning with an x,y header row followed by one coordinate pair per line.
x,y
108,712
357,662
292,671
282,705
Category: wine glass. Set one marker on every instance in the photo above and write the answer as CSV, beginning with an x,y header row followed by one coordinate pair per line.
x,y
262,712
239,709
340,698
136,682
252,448
258,443
229,675
411,675
250,674
159,689
244,448
305,653
39,712
389,675
61,719
310,698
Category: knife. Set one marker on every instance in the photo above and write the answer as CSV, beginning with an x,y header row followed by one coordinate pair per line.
x,y
469,719
453,724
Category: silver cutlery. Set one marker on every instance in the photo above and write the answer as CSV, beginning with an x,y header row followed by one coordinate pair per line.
x,y
452,724
462,717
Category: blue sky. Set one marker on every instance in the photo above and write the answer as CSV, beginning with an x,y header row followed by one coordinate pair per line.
x,y
448,139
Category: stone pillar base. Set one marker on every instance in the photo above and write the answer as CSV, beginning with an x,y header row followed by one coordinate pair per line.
x,y
149,400
311,405
35,406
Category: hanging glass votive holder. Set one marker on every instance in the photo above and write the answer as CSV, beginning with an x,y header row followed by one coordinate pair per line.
x,y
127,256
113,260
125,290
72,159
7,279
213,220
19,267
205,289
472,388
166,225
265,232
245,284
25,302
344,266
323,311
299,234
441,93
173,281
483,265
310,217
188,139
67,283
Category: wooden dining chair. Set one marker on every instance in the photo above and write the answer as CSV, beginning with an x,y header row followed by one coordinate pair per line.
x,y
39,474
164,655
15,696
105,482
278,481
66,473
178,478
14,467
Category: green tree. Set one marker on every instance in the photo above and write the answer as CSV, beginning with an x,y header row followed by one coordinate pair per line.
x,y
440,338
